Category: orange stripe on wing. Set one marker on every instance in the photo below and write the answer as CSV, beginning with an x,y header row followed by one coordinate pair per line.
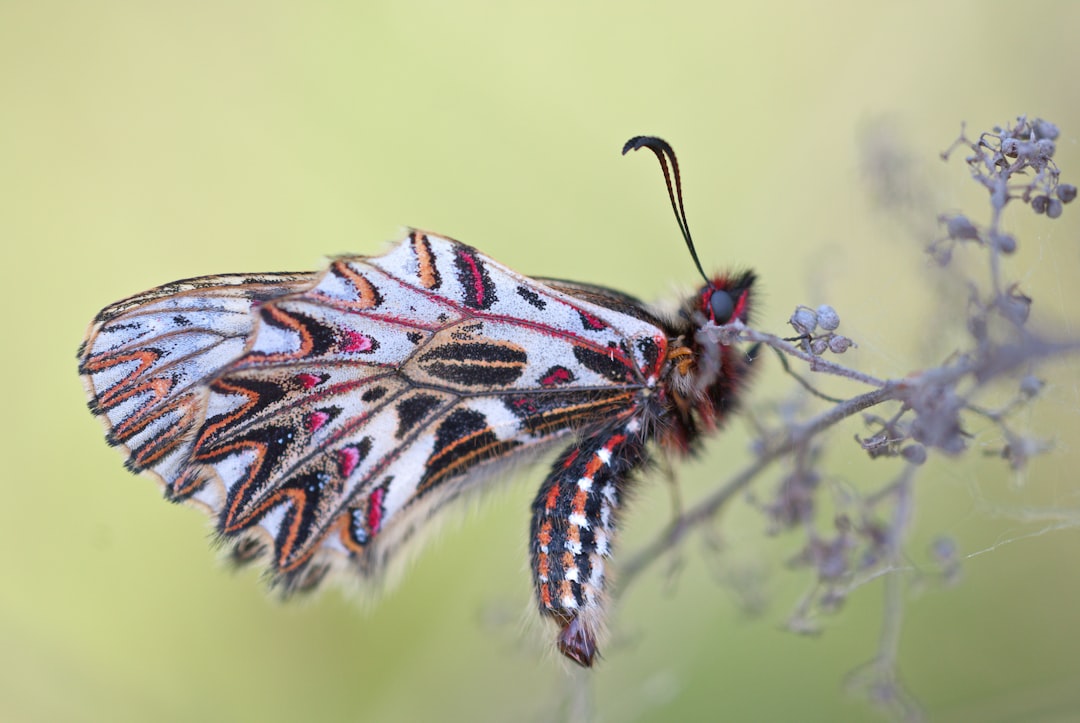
x,y
223,387
118,392
463,463
578,415
366,294
427,271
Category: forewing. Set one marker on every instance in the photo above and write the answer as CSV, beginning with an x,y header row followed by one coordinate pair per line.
x,y
365,401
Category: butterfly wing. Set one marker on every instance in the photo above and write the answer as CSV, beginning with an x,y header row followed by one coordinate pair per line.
x,y
364,398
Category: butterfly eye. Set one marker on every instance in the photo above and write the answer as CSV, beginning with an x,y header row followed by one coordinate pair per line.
x,y
721,306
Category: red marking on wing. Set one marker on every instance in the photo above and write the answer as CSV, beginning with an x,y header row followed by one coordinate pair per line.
x,y
348,459
316,420
558,376
308,381
477,278
356,342
375,511
591,321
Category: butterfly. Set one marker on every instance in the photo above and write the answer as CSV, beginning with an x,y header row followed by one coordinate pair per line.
x,y
322,418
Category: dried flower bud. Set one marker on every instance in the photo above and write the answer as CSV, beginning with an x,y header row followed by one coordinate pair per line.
x,y
1045,148
818,346
1028,152
1053,208
941,253
1003,242
1031,385
794,501
914,453
833,564
946,553
1044,129
827,317
804,320
1066,192
944,549
1015,305
1010,147
839,344
937,420
1038,204
959,227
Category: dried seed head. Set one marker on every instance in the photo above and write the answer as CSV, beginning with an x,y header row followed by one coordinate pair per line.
x,y
1015,305
1031,385
1044,129
914,453
941,253
960,227
827,317
1053,208
794,501
1003,242
946,553
1066,192
937,420
818,346
944,549
839,344
1045,148
1038,204
804,320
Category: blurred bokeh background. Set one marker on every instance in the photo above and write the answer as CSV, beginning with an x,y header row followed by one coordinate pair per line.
x,y
142,142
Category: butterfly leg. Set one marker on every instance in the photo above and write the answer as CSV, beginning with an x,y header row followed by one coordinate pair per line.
x,y
573,526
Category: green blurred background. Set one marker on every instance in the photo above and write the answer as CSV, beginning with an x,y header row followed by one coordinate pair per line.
x,y
143,142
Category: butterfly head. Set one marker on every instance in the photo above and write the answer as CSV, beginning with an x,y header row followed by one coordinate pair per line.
x,y
725,298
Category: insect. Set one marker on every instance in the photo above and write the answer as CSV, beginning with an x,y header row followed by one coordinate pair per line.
x,y
321,418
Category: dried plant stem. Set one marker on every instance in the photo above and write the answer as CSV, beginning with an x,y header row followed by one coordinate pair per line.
x,y
707,508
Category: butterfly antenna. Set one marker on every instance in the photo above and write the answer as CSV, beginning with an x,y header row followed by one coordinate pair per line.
x,y
664,152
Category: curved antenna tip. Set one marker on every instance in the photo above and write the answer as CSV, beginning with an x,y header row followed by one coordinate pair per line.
x,y
651,142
